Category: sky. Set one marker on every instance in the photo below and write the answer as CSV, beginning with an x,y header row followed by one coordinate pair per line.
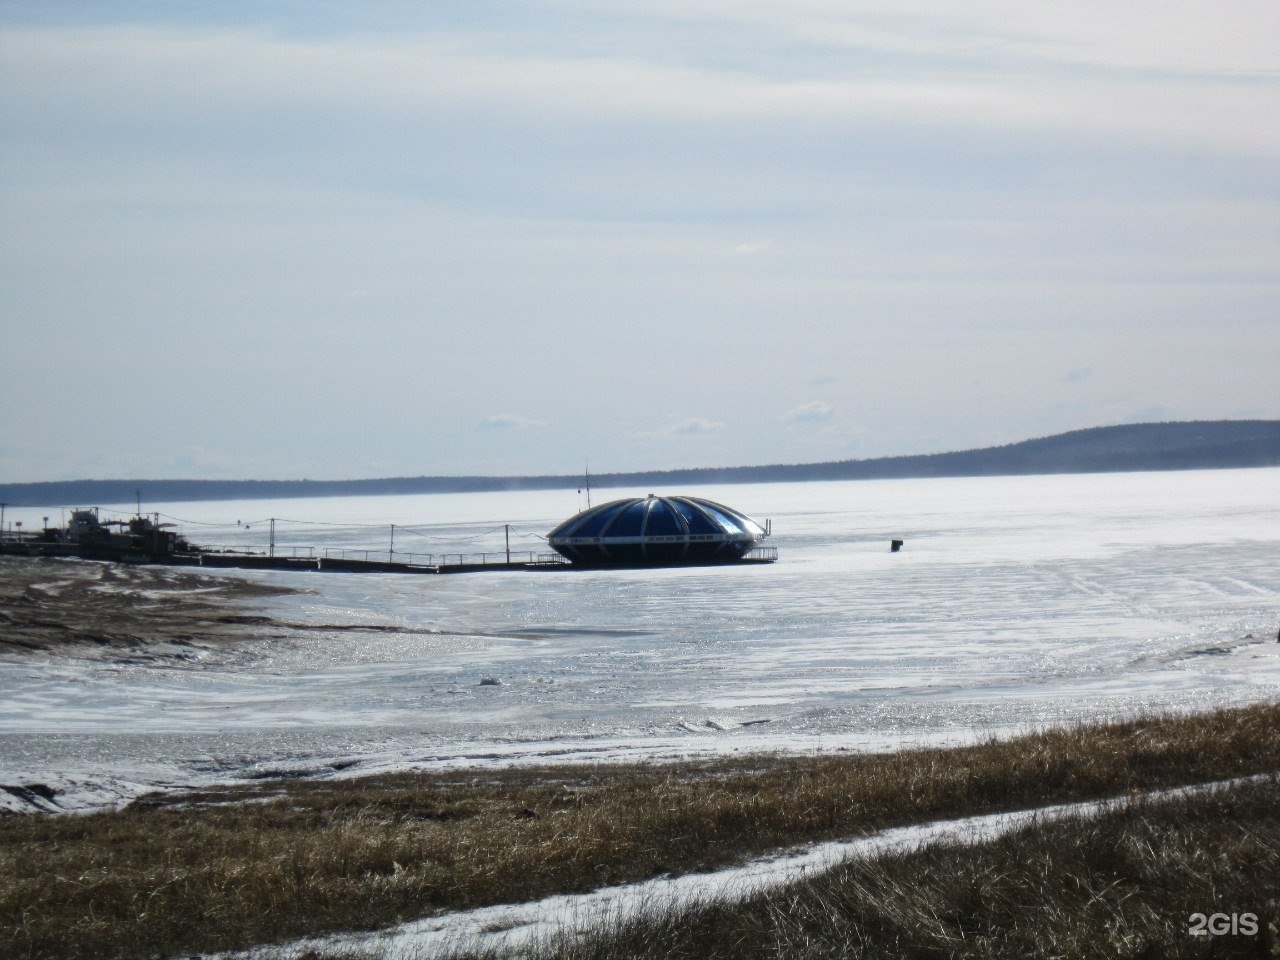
x,y
326,240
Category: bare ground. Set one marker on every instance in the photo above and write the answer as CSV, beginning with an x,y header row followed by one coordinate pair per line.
x,y
59,605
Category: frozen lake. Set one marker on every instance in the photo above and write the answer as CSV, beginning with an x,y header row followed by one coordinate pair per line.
x,y
1015,601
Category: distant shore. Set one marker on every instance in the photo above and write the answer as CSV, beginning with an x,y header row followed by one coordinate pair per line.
x,y
1193,445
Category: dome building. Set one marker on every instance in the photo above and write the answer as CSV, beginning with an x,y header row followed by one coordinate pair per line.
x,y
656,530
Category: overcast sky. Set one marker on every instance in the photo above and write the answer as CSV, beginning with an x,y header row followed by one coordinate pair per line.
x,y
336,239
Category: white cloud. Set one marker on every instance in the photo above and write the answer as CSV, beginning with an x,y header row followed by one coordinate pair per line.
x,y
150,74
691,427
816,411
509,421
1226,36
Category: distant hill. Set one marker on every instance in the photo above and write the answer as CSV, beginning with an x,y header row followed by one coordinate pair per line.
x,y
1197,445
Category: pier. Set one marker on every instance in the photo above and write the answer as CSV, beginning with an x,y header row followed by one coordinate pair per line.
x,y
144,539
327,559
370,561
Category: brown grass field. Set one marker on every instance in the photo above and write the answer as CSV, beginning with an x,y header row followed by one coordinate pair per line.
x,y
1126,884
275,860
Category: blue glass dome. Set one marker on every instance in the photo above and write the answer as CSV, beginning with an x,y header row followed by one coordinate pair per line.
x,y
656,530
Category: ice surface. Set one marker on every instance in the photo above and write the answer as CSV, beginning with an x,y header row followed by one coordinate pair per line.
x,y
1015,601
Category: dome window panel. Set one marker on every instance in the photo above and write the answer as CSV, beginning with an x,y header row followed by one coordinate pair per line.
x,y
656,530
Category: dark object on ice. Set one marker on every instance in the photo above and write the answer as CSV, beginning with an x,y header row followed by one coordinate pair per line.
x,y
140,539
654,531
490,682
895,546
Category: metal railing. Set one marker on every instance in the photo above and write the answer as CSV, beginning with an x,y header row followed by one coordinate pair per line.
x,y
487,558
379,556
242,550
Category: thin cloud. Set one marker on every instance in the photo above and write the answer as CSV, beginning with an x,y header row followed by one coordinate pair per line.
x,y
145,72
688,427
695,427
816,411
1078,375
1155,414
509,421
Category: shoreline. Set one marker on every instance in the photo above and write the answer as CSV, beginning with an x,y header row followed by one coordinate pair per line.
x,y
66,606
281,859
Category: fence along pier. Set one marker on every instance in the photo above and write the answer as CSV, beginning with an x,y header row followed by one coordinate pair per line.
x,y
142,540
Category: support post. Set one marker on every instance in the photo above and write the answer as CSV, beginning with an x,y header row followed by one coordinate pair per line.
x,y
507,531
271,546
392,549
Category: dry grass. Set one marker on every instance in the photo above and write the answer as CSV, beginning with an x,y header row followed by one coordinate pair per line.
x,y
219,873
1122,885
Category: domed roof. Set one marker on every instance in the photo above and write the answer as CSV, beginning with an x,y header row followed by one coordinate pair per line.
x,y
653,529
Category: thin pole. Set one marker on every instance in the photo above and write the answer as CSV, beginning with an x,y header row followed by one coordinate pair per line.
x,y
2,506
392,549
507,531
271,549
